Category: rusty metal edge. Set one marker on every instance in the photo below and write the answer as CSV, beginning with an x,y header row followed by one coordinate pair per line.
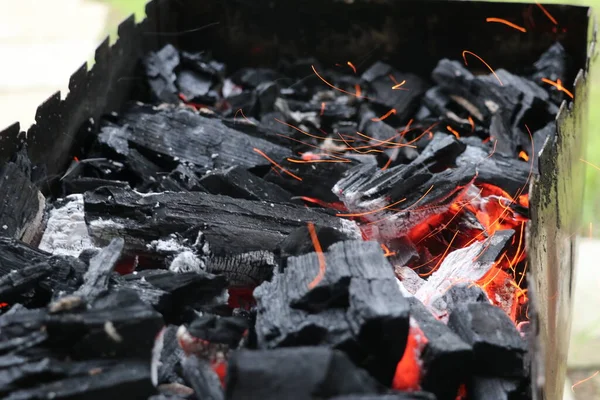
x,y
556,202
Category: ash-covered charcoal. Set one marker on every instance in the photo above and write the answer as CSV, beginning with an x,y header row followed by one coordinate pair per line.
x,y
202,141
167,356
18,282
299,241
230,226
354,302
21,203
299,373
446,359
95,280
224,330
202,378
78,185
244,270
493,336
160,70
239,183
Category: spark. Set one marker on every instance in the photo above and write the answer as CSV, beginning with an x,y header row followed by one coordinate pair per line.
x,y
523,156
523,274
386,141
358,91
241,112
2,305
275,164
397,86
387,251
384,116
351,66
75,159
322,108
424,133
454,132
505,22
558,85
387,164
356,149
494,149
357,94
550,17
371,212
583,380
409,207
442,258
465,52
320,256
517,255
590,164
292,160
472,124
304,132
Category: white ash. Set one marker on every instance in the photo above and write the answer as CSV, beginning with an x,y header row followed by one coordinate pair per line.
x,y
156,353
187,262
105,223
66,231
170,245
350,228
33,228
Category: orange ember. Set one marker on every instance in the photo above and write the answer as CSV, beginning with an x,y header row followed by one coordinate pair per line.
x,y
408,370
315,240
508,23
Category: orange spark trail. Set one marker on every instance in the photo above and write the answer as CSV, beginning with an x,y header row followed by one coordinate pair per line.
x,y
387,164
317,161
505,22
550,17
242,112
387,251
472,124
358,94
352,66
454,132
356,149
558,85
301,131
386,141
407,208
384,116
320,255
442,258
590,164
465,52
322,108
275,164
358,91
583,380
523,156
397,86
371,212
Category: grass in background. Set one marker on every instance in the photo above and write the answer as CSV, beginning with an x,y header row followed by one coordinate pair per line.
x,y
121,9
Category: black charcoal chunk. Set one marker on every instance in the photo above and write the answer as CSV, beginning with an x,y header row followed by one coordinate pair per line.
x,y
21,204
160,70
484,388
239,183
19,281
390,396
202,141
356,300
95,280
202,378
169,359
83,184
493,336
230,226
299,373
299,242
252,77
224,330
244,270
446,358
194,86
552,65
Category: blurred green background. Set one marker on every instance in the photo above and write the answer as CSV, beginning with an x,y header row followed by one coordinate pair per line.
x,y
120,9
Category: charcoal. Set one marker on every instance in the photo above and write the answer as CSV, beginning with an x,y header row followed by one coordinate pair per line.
x,y
410,280
394,396
225,330
506,173
17,282
95,280
357,299
454,270
500,132
299,241
486,388
182,179
246,101
166,357
21,205
246,270
192,137
120,380
377,70
238,183
160,300
493,336
83,184
266,94
404,251
200,376
317,182
446,358
552,64
66,272
203,63
405,102
331,110
160,70
229,225
195,87
252,77
299,373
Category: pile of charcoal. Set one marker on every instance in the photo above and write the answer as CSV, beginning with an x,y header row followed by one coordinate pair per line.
x,y
309,231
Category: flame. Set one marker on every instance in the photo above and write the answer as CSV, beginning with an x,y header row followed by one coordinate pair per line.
x,y
320,255
408,370
384,116
550,17
558,85
583,380
352,66
276,165
464,54
505,22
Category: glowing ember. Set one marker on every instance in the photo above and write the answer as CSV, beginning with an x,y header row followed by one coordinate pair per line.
x,y
505,22
464,54
558,85
408,371
320,255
